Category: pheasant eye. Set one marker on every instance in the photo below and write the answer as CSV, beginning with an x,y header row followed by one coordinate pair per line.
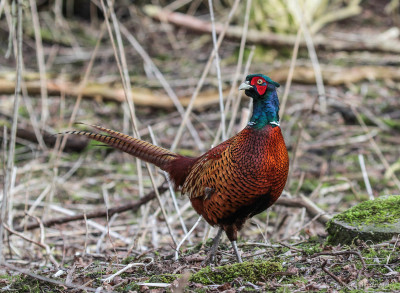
x,y
260,81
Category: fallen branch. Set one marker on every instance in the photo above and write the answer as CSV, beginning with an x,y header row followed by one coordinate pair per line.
x,y
26,131
332,75
345,252
115,93
271,39
47,280
340,282
132,206
303,202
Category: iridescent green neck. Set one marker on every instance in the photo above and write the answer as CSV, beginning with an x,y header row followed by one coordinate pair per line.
x,y
265,111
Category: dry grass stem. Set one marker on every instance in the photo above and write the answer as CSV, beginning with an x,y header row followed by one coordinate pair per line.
x,y
202,78
186,237
236,104
90,223
110,278
296,146
81,86
290,73
325,269
233,88
8,177
170,230
365,176
375,145
123,70
217,65
45,279
314,59
41,64
171,94
171,189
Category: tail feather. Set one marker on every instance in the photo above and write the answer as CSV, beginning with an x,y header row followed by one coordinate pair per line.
x,y
138,148
111,132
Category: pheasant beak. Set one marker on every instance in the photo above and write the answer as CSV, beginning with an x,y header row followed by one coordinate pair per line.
x,y
245,86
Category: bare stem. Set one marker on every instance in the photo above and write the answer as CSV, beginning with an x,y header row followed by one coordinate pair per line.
x,y
17,95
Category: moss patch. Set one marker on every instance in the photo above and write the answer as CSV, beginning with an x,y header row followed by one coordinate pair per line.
x,y
165,278
248,271
376,220
379,211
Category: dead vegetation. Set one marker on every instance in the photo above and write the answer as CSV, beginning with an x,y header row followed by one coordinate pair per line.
x,y
90,221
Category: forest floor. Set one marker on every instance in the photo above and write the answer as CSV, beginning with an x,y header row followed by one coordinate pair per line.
x,y
285,249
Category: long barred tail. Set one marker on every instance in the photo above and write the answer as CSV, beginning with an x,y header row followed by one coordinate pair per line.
x,y
138,148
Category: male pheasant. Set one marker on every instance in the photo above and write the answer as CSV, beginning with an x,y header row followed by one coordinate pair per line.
x,y
233,181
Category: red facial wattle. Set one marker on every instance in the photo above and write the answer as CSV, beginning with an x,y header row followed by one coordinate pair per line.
x,y
261,85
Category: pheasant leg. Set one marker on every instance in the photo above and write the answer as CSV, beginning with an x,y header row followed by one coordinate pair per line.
x,y
235,248
211,255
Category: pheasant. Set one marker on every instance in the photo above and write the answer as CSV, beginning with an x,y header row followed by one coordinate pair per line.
x,y
235,180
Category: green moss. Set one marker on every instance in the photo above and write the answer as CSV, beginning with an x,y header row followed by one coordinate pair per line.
x,y
373,220
309,184
378,258
130,287
21,283
128,260
248,271
165,278
393,123
378,211
313,245
394,287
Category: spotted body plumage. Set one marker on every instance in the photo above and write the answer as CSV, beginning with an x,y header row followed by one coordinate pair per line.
x,y
233,181
247,173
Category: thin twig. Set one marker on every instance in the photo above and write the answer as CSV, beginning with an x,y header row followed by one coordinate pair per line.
x,y
171,189
123,70
242,47
5,184
132,206
274,39
17,95
48,280
186,236
375,145
110,278
323,267
303,226
354,252
202,78
170,92
299,137
40,60
42,241
290,73
42,245
164,212
365,176
217,65
237,73
314,58
81,87
311,208
236,105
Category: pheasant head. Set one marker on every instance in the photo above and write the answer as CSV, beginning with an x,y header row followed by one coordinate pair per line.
x,y
265,100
